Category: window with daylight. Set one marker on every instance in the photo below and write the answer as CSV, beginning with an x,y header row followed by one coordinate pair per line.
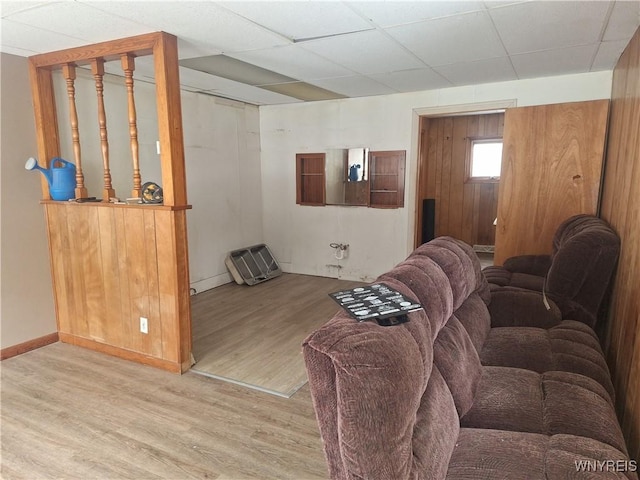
x,y
485,160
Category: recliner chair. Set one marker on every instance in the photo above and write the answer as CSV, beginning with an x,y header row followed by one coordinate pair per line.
x,y
577,274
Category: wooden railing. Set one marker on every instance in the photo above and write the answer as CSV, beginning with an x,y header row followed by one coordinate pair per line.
x,y
113,264
163,47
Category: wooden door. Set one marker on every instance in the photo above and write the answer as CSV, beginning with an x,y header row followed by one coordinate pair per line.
x,y
551,170
463,209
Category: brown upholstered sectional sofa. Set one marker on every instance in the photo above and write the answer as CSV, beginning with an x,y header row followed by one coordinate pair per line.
x,y
577,274
451,395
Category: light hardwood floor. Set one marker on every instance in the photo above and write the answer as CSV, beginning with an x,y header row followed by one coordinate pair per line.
x,y
253,334
71,413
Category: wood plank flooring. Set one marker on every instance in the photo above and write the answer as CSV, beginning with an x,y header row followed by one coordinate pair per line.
x,y
71,413
253,334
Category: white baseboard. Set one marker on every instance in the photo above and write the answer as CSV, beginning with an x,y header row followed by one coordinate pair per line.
x,y
211,282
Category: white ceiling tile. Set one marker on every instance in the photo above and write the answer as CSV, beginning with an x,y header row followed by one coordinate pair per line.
x,y
386,14
483,71
365,52
461,38
17,51
554,62
390,43
354,86
8,7
624,20
502,3
293,61
543,25
253,95
608,55
80,21
296,20
194,49
202,24
32,40
205,81
412,80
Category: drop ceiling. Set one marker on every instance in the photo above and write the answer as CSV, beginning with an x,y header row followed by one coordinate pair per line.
x,y
287,51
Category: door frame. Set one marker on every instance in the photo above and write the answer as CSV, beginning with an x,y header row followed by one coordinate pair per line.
x,y
477,108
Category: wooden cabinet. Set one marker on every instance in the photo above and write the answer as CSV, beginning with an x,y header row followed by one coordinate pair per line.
x,y
551,169
386,179
310,179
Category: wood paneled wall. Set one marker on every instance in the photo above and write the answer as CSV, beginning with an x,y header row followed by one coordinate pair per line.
x,y
551,169
464,210
621,208
112,265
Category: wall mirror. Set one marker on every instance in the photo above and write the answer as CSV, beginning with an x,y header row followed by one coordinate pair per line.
x,y
346,171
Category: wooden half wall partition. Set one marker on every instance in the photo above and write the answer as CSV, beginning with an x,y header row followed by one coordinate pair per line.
x,y
114,263
621,208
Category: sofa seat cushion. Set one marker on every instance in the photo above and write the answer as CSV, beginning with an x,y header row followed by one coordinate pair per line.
x,y
499,454
516,307
548,403
569,347
500,277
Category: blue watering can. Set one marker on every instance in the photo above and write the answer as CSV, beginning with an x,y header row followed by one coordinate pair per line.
x,y
61,176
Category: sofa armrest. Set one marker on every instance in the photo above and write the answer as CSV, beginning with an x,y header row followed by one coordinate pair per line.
x,y
531,264
366,386
514,307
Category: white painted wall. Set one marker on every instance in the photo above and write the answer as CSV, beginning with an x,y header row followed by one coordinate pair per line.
x,y
299,236
222,156
222,150
27,310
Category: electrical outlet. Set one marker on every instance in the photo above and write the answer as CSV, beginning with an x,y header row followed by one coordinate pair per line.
x,y
144,325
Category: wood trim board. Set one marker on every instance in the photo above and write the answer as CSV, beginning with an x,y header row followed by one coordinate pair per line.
x,y
24,347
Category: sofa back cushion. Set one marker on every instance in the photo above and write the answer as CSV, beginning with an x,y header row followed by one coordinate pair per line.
x,y
585,253
388,399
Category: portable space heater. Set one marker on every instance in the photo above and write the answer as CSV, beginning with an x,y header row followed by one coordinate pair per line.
x,y
252,265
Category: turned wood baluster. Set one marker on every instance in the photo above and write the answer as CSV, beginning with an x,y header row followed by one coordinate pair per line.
x,y
97,68
128,66
69,74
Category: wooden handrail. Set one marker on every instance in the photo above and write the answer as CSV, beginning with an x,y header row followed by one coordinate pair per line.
x,y
139,45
